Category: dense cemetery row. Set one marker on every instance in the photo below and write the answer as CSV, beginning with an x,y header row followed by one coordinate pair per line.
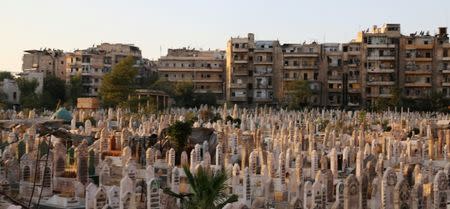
x,y
274,158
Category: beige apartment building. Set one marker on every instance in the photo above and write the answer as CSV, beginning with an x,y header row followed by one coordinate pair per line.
x,y
93,63
253,71
205,69
352,74
47,61
301,62
381,59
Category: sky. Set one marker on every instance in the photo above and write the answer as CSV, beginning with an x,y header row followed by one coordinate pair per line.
x,y
155,25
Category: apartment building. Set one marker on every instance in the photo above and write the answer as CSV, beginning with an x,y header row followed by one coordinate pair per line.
x,y
380,55
352,81
205,69
93,63
301,62
333,67
441,74
417,65
48,61
253,70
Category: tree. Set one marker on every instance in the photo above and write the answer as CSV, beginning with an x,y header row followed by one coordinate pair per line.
x,y
208,190
6,75
179,133
163,84
75,89
117,85
54,92
298,94
184,94
28,96
207,98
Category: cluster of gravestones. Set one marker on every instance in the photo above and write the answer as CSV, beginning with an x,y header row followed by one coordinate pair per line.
x,y
275,158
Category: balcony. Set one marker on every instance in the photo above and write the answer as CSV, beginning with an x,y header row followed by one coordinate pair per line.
x,y
446,71
242,61
286,54
353,80
240,73
419,59
238,85
382,95
202,91
380,70
264,62
261,86
380,83
290,79
419,46
350,90
265,50
380,45
335,90
417,72
240,49
386,57
446,84
207,80
188,69
418,84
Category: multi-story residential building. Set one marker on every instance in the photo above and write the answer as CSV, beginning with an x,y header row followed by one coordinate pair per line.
x,y
48,61
253,71
93,63
334,80
352,86
416,65
205,69
441,74
301,62
380,55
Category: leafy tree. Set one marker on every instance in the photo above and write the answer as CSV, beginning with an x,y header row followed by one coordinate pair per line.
x,y
54,92
163,84
298,94
184,94
208,190
117,85
75,89
28,96
179,133
207,98
6,74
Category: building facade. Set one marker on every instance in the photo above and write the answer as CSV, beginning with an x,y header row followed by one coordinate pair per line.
x,y
253,71
48,61
93,63
380,64
205,69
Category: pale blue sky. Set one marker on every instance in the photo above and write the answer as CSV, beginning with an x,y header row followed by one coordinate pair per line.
x,y
68,25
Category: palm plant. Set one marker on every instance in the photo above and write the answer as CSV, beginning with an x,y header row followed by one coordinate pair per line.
x,y
208,190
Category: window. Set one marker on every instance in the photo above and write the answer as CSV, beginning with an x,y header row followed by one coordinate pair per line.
x,y
14,95
316,76
305,76
166,75
410,41
26,173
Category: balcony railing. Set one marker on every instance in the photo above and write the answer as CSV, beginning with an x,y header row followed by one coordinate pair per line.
x,y
380,70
